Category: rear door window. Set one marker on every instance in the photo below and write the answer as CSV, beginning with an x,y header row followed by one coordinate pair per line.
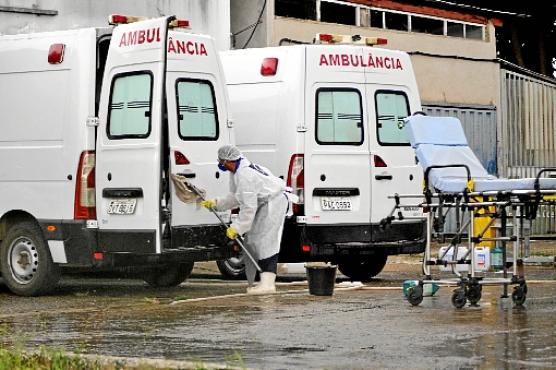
x,y
339,117
391,109
197,115
129,114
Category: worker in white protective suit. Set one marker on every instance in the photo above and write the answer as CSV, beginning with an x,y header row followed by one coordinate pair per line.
x,y
263,203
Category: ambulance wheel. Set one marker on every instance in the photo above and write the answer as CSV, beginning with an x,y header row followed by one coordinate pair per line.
x,y
519,294
415,295
232,268
474,293
26,263
458,298
169,276
363,269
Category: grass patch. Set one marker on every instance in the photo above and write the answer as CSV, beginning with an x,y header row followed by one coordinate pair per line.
x,y
45,359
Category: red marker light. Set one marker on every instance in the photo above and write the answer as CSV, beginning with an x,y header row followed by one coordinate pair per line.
x,y
117,19
326,37
180,158
306,248
179,23
381,41
379,162
56,53
269,67
98,256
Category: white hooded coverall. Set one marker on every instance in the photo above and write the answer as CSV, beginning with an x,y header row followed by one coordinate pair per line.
x,y
263,203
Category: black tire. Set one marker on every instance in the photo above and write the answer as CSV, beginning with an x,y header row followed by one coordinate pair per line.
x,y
232,268
26,263
415,295
474,294
363,269
168,276
519,295
459,298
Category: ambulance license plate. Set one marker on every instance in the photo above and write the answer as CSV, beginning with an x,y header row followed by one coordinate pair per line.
x,y
335,204
122,206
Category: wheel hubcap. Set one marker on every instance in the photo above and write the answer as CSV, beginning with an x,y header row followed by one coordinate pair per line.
x,y
23,259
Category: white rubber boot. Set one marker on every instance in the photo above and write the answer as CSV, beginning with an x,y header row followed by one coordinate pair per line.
x,y
265,286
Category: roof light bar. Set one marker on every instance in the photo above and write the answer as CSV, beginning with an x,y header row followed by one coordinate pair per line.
x,y
116,19
326,38
179,23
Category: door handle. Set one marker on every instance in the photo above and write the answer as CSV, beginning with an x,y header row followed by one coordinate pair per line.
x,y
383,177
188,175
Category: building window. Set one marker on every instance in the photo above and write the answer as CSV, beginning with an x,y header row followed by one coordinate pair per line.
x,y
427,25
303,9
473,32
455,29
396,21
338,13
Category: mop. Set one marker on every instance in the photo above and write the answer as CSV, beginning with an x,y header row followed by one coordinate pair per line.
x,y
189,193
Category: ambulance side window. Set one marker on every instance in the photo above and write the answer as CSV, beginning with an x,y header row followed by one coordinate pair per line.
x,y
391,108
197,115
339,118
129,114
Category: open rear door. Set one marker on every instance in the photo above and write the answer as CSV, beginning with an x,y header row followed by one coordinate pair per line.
x,y
129,139
197,127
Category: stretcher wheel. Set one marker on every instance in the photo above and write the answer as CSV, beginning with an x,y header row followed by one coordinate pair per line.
x,y
519,294
474,293
458,298
415,295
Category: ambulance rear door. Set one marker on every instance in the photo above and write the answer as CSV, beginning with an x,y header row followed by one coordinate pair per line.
x,y
391,96
336,158
129,139
197,124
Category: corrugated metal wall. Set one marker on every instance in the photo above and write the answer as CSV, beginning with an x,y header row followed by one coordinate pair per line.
x,y
479,124
526,133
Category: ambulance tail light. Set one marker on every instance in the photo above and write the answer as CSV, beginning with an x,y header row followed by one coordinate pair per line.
x,y
296,181
269,66
85,203
378,161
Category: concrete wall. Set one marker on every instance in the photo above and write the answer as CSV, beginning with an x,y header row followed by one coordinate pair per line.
x,y
449,70
206,16
245,13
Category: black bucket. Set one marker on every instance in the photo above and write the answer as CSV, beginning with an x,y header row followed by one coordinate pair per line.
x,y
321,279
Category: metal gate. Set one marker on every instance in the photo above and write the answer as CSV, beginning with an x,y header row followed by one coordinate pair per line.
x,y
526,133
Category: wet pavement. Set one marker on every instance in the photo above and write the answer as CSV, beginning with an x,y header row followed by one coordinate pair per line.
x,y
372,327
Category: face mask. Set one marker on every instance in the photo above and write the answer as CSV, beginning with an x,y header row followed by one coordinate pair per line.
x,y
222,168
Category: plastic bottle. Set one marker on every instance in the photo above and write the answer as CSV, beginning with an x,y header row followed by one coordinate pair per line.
x,y
496,260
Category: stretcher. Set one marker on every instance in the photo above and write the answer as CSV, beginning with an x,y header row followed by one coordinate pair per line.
x,y
454,179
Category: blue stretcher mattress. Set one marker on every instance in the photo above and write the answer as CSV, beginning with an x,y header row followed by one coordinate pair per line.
x,y
440,141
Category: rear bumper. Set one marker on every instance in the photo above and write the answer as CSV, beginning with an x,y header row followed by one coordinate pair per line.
x,y
330,241
123,248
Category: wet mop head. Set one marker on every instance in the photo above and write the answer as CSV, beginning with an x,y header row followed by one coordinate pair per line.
x,y
184,191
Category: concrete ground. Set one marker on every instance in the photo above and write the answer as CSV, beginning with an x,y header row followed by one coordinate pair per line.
x,y
362,326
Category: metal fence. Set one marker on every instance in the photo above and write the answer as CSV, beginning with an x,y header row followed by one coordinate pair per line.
x,y
526,134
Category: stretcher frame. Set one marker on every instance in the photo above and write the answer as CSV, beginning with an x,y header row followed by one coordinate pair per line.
x,y
500,206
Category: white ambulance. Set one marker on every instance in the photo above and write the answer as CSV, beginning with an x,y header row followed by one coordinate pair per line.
x,y
328,118
92,123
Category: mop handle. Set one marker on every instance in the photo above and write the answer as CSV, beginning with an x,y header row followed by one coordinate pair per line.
x,y
239,239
